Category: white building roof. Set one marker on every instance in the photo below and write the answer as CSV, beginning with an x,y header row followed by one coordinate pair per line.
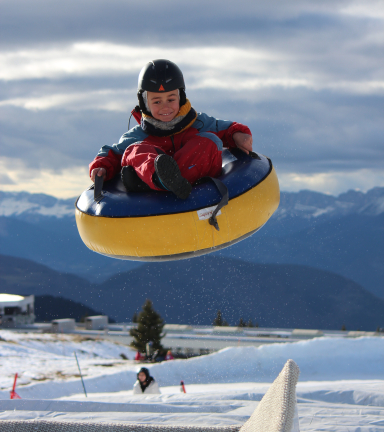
x,y
12,300
5,298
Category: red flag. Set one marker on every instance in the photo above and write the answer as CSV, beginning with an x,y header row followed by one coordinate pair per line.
x,y
182,387
14,395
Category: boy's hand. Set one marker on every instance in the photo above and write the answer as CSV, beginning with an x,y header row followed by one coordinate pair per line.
x,y
243,141
100,172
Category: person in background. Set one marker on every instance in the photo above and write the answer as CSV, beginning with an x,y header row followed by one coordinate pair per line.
x,y
145,384
169,355
139,356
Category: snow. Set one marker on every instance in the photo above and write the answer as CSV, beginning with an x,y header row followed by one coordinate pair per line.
x,y
341,385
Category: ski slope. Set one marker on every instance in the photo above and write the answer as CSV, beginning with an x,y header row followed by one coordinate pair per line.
x,y
341,384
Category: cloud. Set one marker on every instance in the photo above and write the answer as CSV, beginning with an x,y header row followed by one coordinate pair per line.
x,y
332,183
6,180
371,9
307,77
109,100
148,21
66,183
45,21
303,131
204,66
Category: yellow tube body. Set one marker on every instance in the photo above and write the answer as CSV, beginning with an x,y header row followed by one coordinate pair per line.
x,y
180,234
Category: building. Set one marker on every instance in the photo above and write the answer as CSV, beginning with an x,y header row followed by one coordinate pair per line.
x,y
64,325
16,310
97,322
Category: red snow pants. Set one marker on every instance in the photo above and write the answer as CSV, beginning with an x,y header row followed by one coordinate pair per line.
x,y
198,157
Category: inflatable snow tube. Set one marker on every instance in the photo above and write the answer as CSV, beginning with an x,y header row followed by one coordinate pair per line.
x,y
157,226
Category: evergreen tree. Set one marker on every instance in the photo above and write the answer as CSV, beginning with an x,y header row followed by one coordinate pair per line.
x,y
135,318
343,328
242,323
149,329
250,323
219,319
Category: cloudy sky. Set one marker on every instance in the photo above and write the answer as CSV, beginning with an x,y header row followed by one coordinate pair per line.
x,y
306,76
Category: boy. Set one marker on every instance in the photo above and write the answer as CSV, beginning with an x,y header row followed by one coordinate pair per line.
x,y
174,146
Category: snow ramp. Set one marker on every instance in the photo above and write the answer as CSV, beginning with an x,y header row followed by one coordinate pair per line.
x,y
276,412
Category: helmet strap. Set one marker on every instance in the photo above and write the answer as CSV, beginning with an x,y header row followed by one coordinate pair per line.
x,y
142,106
183,97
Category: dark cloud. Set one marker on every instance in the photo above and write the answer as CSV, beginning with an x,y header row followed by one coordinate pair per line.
x,y
308,131
173,22
6,180
57,139
311,38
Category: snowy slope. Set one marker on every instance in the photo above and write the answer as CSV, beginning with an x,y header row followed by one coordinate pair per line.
x,y
49,359
341,386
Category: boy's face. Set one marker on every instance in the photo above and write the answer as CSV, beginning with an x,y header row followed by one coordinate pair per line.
x,y
164,106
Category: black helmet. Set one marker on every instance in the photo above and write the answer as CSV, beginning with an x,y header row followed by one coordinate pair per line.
x,y
160,76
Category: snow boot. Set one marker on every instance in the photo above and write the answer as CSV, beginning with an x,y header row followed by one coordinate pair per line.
x,y
132,181
169,175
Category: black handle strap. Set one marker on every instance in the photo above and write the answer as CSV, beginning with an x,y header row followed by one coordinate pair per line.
x,y
98,190
254,155
224,200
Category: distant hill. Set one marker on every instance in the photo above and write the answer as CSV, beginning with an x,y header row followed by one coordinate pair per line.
x,y
48,308
352,246
55,242
191,292
344,235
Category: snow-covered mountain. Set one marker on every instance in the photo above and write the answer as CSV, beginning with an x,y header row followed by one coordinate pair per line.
x,y
305,204
308,204
25,205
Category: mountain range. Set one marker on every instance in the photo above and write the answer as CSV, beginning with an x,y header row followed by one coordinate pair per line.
x,y
192,291
342,235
